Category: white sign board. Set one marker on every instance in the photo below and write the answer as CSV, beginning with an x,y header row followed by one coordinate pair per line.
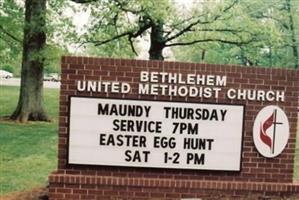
x,y
138,133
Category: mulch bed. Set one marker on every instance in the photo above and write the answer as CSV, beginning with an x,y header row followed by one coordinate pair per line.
x,y
34,194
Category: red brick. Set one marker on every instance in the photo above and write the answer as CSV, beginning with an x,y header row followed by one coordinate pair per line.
x,y
255,169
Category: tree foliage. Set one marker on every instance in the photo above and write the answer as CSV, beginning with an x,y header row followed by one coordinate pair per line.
x,y
134,19
60,32
242,32
274,39
11,23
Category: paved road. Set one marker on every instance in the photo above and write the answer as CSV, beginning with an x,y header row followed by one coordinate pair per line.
x,y
16,82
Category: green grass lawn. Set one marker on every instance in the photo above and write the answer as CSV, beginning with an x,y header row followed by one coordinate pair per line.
x,y
28,151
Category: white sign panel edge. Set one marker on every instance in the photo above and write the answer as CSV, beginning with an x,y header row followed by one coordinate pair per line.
x,y
215,166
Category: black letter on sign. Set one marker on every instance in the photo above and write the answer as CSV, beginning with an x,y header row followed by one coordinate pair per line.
x,y
128,156
195,158
101,110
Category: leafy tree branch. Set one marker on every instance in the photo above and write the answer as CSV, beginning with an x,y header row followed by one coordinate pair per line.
x,y
2,29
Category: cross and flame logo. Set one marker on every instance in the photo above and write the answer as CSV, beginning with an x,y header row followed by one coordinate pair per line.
x,y
271,121
271,131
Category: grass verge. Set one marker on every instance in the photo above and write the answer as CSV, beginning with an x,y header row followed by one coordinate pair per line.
x,y
28,151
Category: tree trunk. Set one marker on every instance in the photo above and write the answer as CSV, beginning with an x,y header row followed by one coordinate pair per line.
x,y
293,35
270,57
203,56
30,105
157,41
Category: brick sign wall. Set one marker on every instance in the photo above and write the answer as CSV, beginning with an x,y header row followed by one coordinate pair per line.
x,y
121,174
